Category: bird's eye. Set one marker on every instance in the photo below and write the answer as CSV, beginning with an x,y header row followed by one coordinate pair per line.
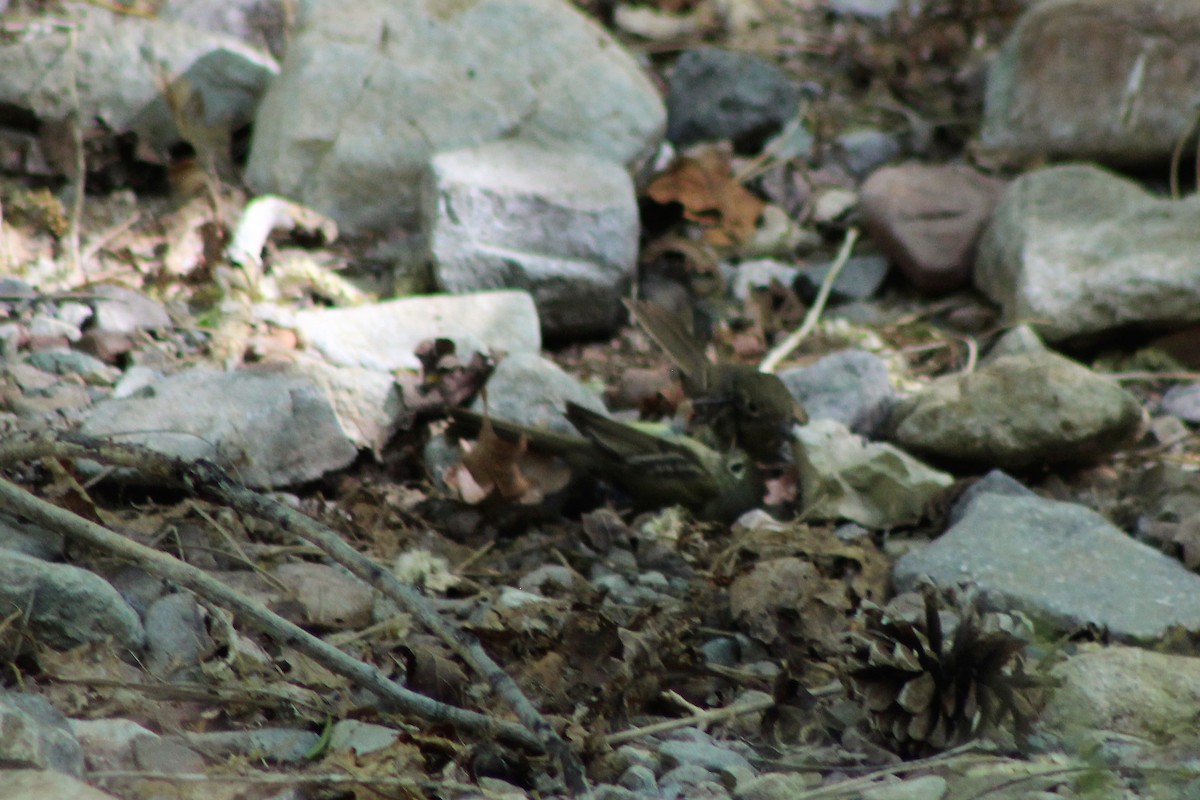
x,y
749,406
737,468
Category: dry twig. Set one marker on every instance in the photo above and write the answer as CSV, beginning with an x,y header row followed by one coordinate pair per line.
x,y
784,348
18,501
209,481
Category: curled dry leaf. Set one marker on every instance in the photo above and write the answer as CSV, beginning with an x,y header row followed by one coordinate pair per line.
x,y
705,186
492,462
493,466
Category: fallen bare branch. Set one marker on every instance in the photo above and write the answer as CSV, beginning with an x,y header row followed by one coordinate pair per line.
x,y
209,481
18,501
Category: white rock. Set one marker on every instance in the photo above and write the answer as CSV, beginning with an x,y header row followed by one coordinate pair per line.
x,y
384,336
368,404
531,389
561,224
844,476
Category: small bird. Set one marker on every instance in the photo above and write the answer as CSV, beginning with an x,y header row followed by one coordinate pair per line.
x,y
655,471
738,404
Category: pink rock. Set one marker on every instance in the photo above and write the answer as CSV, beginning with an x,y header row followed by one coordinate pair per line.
x,y
928,220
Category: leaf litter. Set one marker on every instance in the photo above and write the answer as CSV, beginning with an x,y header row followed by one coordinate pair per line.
x,y
597,661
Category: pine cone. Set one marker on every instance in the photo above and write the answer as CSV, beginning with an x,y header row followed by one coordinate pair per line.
x,y
932,678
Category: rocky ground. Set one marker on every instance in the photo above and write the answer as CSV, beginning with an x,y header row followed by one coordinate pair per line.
x,y
253,254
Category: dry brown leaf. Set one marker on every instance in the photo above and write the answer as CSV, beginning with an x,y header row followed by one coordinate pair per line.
x,y
432,673
710,195
69,493
399,759
492,462
494,465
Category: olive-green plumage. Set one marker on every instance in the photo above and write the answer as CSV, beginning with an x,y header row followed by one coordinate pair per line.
x,y
655,471
734,404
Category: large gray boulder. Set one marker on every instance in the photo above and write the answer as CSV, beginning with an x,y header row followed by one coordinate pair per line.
x,y
1077,251
370,90
1105,80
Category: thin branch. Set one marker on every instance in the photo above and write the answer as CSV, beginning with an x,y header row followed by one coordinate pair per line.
x,y
209,481
108,235
16,500
290,779
785,348
711,715
1152,376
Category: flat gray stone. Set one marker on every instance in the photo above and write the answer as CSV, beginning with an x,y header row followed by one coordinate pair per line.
x,y
176,637
67,362
871,9
274,745
926,787
384,336
325,597
369,91
24,536
532,390
710,756
1075,251
1019,411
559,224
66,605
723,94
36,735
1061,564
267,428
121,310
851,387
109,743
864,150
861,277
350,735
1183,402
369,406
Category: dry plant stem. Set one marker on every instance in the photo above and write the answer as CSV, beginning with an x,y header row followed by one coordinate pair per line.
x,y
785,348
433,788
76,258
712,715
1152,376
19,501
212,483
106,237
